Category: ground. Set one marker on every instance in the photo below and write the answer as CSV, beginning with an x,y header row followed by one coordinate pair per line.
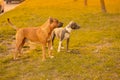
x,y
95,47
9,7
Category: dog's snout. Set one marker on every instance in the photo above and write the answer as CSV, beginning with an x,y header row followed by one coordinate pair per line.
x,y
60,24
78,26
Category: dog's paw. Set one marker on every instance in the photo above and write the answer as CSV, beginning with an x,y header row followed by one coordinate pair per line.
x,y
15,59
68,51
62,48
43,60
51,48
58,51
51,57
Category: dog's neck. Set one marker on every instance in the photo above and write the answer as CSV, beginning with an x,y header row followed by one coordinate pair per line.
x,y
68,28
50,29
47,28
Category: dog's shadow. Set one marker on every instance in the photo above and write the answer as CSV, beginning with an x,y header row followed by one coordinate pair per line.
x,y
74,51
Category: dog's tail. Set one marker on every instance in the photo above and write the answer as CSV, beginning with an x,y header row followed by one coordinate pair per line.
x,y
12,25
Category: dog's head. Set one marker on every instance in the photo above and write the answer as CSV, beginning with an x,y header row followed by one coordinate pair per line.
x,y
74,25
54,23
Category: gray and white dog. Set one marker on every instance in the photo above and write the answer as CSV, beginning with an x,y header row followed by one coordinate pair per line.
x,y
64,34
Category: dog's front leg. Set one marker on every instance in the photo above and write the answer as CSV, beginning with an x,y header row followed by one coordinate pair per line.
x,y
50,49
43,52
67,46
16,54
59,47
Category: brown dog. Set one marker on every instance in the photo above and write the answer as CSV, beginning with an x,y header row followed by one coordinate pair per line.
x,y
40,35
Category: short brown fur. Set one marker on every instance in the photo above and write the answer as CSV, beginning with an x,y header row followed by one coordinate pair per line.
x,y
35,34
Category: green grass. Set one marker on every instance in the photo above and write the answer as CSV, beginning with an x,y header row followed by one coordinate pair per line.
x,y
97,41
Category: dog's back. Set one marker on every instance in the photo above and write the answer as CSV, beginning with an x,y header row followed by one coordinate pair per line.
x,y
58,32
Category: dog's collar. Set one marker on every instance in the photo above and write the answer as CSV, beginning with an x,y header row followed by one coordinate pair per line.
x,y
66,31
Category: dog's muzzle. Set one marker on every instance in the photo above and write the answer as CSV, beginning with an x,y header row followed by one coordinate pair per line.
x,y
78,27
60,24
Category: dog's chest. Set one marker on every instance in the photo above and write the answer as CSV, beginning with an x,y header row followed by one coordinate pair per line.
x,y
63,35
66,35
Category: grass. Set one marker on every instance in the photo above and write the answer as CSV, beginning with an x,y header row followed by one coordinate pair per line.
x,y
97,41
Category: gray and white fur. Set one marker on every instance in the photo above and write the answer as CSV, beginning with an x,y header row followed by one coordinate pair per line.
x,y
64,34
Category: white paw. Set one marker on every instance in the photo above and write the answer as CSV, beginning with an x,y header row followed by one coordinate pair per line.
x,y
68,50
62,47
51,48
58,51
51,57
15,59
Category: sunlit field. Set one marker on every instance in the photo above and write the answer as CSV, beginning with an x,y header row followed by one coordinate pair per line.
x,y
95,47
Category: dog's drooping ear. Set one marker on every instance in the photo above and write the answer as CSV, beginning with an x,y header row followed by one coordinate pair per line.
x,y
50,20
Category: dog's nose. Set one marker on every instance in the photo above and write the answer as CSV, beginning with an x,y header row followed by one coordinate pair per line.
x,y
79,26
61,24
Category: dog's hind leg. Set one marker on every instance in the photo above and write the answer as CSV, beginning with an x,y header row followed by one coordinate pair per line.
x,y
61,39
67,46
22,44
59,47
53,37
19,44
